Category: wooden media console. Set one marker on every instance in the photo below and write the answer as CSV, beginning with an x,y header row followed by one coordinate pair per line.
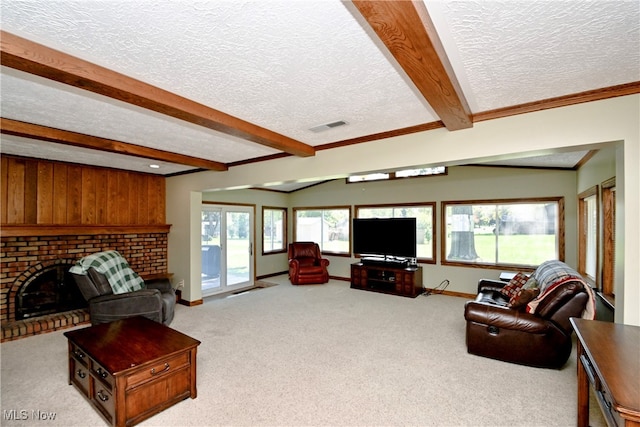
x,y
403,281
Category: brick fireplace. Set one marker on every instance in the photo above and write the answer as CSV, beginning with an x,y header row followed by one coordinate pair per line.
x,y
24,258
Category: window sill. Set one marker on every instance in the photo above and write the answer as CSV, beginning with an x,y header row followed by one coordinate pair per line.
x,y
607,299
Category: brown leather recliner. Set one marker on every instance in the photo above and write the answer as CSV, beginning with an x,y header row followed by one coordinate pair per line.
x,y
541,338
306,265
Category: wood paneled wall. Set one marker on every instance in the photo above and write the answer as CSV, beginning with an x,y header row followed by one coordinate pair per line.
x,y
45,192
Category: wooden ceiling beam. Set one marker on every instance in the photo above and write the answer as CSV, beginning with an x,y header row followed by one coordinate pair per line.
x,y
407,31
43,133
33,58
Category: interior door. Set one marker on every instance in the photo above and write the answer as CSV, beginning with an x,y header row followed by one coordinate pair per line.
x,y
227,248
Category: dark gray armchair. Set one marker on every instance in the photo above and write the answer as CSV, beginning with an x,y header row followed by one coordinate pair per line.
x,y
155,300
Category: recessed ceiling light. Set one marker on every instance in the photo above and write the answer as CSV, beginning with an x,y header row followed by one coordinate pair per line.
x,y
154,166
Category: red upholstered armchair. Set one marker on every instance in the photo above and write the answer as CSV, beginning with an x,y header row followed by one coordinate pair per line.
x,y
306,264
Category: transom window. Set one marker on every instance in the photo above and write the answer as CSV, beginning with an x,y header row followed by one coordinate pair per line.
x,y
405,173
330,227
504,233
425,220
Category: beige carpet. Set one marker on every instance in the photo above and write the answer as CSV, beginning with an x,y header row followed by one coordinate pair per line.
x,y
316,356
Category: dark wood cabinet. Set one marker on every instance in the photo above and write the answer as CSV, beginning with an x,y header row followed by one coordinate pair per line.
x,y
406,282
132,369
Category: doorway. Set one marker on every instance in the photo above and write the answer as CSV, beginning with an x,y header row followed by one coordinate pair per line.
x,y
227,248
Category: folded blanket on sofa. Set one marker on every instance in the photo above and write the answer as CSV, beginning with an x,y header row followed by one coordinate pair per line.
x,y
116,269
551,274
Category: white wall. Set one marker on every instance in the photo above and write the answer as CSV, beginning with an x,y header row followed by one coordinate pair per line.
x,y
185,259
598,169
593,124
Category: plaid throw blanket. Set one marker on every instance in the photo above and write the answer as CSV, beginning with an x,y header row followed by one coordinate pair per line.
x,y
551,274
115,268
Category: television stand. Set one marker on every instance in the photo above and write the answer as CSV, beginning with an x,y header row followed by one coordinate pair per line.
x,y
403,281
385,262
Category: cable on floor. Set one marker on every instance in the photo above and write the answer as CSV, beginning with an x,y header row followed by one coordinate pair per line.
x,y
438,289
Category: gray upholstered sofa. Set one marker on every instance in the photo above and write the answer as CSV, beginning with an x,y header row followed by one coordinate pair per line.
x,y
113,291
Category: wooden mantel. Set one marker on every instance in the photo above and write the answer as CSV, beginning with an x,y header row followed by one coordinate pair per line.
x,y
28,230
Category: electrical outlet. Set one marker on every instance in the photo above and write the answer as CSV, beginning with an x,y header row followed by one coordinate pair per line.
x,y
180,285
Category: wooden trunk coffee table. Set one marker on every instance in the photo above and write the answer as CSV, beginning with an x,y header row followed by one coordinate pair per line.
x,y
132,369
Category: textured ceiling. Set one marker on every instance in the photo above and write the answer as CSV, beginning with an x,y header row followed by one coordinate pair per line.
x,y
288,66
277,66
56,105
512,52
557,160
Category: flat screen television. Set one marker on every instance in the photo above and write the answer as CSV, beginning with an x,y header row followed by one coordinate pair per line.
x,y
388,237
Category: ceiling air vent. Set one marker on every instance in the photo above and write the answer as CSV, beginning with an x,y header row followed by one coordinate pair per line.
x,y
328,126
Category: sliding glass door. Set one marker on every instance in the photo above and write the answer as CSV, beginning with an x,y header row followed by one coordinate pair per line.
x,y
227,248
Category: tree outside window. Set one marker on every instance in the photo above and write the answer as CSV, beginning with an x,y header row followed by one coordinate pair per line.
x,y
503,233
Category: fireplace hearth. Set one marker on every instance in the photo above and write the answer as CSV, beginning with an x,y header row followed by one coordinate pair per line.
x,y
50,290
38,294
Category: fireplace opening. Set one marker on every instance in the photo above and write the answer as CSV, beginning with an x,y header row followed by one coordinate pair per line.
x,y
50,290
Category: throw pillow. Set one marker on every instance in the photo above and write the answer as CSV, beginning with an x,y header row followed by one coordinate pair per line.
x,y
514,285
523,297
